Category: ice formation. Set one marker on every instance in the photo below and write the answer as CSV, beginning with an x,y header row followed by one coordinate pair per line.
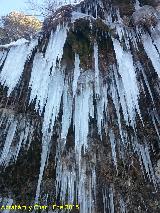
x,y
80,100
45,67
20,128
15,43
129,82
152,52
108,200
14,64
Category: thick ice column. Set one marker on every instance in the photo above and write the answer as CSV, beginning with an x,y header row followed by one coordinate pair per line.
x,y
83,110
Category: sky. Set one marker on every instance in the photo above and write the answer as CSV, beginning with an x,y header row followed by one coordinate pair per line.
x,y
7,6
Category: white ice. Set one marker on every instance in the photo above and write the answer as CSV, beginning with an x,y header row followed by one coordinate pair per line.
x,y
15,43
97,75
55,89
14,65
127,72
152,52
44,67
3,55
83,109
144,157
77,72
67,110
7,145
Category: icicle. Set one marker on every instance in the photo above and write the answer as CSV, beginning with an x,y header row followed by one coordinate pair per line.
x,y
47,88
30,135
19,127
14,150
105,201
55,89
67,110
97,84
83,109
45,67
108,200
3,55
152,53
14,65
121,93
155,32
144,156
19,145
146,81
115,99
157,171
39,82
76,74
101,107
122,206
51,112
44,156
86,189
127,71
55,46
155,125
113,147
66,178
7,145
49,95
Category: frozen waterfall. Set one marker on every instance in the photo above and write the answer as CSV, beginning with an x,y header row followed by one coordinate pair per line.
x,y
84,112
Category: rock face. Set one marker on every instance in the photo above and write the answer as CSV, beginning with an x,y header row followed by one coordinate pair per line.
x,y
80,112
